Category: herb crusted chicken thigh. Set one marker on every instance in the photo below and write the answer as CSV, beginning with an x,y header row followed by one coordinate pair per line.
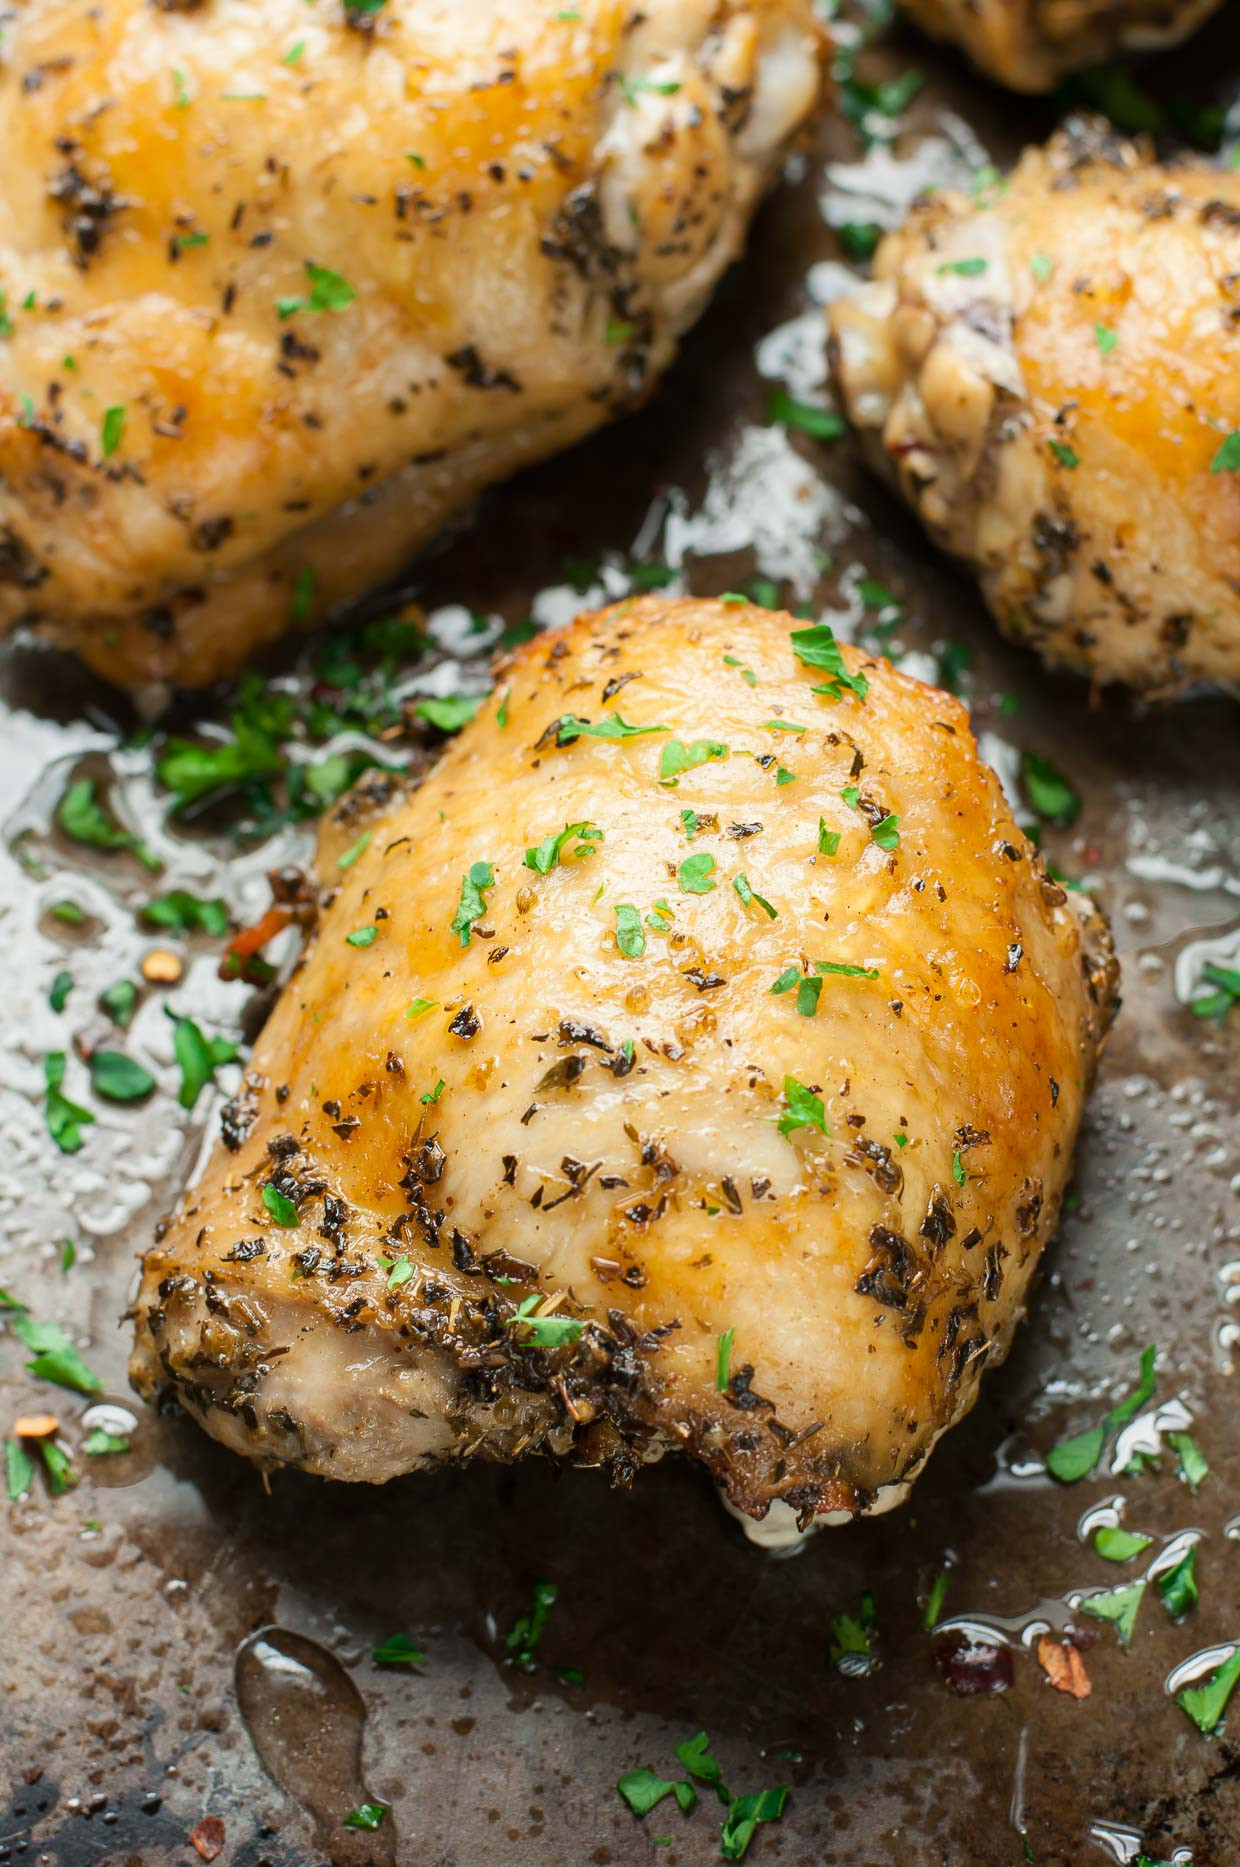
x,y
282,288
1051,374
693,1060
1032,44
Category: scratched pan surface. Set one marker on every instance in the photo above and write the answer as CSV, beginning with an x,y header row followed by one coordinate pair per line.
x,y
176,1643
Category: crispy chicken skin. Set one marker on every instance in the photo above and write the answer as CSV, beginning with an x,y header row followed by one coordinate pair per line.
x,y
1048,376
580,1096
1031,44
335,273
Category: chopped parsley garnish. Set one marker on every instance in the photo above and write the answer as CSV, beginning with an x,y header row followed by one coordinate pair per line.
x,y
1041,266
748,895
967,268
399,1270
98,1444
544,1331
569,729
357,849
55,1358
1205,1704
84,820
1049,792
398,1650
1191,1468
828,840
887,833
935,1599
18,1470
111,431
198,1056
747,674
419,1007
723,1360
821,424
1177,1587
782,726
544,856
1120,1605
661,916
279,1205
432,1095
65,1119
449,712
328,292
678,757
694,875
859,238
816,647
62,985
366,936
689,823
843,971
184,913
694,1755
1216,1004
803,1109
1114,1544
1075,1458
643,1791
117,1078
619,331
629,936
527,1630
1105,338
472,906
959,1174
784,776
1065,455
633,86
1227,458
744,1816
853,1635
367,1814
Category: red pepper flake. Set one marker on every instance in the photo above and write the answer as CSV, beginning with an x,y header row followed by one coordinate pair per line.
x,y
971,1665
207,1837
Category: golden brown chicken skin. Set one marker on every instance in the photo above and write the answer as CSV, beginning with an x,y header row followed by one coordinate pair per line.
x,y
1032,44
284,287
1051,376
694,1060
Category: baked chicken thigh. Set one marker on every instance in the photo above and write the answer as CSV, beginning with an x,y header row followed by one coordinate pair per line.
x,y
1051,375
284,287
694,1060
1032,44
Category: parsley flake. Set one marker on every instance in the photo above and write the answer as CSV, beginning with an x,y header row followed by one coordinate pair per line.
x,y
472,906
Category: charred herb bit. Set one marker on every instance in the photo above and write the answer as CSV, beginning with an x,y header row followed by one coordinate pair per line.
x,y
181,912
748,895
84,820
1205,1704
366,936
398,1650
643,1791
677,757
1226,995
568,729
1115,1544
1227,459
118,1078
852,1637
65,1119
544,1331
629,936
62,985
1048,791
472,907
198,1057
723,1360
820,424
543,857
886,833
1191,1468
1120,1605
282,1209
803,1109
367,1814
55,1358
694,875
1177,1587
526,1632
816,647
744,1816
1075,1458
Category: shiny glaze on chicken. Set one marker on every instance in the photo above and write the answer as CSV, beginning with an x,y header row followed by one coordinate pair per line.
x,y
693,1060
284,287
1050,374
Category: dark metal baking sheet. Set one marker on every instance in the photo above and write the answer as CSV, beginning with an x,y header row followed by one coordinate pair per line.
x,y
168,1628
